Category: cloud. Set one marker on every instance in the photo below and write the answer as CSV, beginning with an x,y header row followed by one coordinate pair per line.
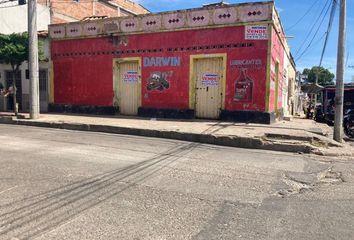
x,y
280,9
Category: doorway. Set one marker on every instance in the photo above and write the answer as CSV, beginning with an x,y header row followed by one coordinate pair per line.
x,y
127,85
9,78
208,85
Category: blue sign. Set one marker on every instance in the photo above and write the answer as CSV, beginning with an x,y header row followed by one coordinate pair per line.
x,y
162,62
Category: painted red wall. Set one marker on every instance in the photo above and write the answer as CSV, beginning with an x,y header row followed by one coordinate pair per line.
x,y
83,72
277,52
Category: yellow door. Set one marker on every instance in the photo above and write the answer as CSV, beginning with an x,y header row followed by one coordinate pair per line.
x,y
129,87
208,73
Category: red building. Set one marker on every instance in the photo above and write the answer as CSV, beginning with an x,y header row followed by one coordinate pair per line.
x,y
214,62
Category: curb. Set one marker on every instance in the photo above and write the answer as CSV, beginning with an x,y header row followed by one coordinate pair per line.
x,y
229,141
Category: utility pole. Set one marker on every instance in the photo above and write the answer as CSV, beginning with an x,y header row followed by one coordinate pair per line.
x,y
338,119
50,11
33,59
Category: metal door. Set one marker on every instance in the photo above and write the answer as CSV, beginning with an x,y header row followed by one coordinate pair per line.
x,y
208,73
43,90
128,87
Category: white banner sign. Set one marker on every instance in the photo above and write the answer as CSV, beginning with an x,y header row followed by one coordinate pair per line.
x,y
210,79
256,33
130,77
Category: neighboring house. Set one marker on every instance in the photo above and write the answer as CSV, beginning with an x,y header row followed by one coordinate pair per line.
x,y
75,10
302,97
215,62
289,84
13,18
22,80
293,88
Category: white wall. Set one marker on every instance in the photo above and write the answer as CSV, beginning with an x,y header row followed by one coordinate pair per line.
x,y
24,83
14,19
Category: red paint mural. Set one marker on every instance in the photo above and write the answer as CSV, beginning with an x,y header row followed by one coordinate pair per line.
x,y
83,72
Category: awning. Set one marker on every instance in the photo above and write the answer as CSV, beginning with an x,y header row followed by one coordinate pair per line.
x,y
311,88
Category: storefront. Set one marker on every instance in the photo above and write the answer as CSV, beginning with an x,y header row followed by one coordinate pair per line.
x,y
216,62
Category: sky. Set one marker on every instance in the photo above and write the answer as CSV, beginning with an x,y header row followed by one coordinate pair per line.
x,y
291,11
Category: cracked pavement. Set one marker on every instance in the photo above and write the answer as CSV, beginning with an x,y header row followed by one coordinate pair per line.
x,y
58,184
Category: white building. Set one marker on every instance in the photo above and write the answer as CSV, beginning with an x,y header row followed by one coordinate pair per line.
x,y
13,19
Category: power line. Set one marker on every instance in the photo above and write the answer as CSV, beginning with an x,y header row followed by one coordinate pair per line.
x,y
329,28
319,26
313,27
316,43
301,18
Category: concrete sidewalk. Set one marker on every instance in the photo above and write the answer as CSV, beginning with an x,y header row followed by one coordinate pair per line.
x,y
298,135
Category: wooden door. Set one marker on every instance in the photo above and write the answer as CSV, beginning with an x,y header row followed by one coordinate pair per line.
x,y
208,73
128,87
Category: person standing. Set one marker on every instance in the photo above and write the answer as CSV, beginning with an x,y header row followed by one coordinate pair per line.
x,y
10,97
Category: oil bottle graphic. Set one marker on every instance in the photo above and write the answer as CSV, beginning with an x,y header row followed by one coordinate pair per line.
x,y
243,88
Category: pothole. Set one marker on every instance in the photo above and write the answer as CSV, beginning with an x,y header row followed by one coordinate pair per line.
x,y
301,183
295,186
330,177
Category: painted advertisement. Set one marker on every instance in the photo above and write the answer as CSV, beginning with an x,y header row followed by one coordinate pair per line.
x,y
158,81
165,75
210,79
247,63
162,61
256,32
243,88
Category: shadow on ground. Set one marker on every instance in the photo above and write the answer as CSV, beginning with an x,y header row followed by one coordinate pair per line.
x,y
35,215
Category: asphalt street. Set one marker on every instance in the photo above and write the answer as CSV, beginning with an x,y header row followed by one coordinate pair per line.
x,y
58,184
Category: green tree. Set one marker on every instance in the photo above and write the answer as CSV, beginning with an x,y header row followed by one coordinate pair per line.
x,y
14,51
325,77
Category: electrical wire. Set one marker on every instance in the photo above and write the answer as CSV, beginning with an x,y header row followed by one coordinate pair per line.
x,y
329,28
314,36
313,26
303,16
316,43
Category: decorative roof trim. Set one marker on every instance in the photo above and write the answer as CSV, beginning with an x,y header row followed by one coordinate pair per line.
x,y
205,17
